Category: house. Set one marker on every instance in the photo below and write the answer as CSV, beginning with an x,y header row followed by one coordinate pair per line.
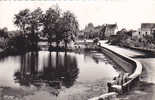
x,y
110,29
137,33
147,29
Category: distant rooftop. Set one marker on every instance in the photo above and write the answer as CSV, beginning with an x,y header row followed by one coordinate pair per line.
x,y
148,25
111,26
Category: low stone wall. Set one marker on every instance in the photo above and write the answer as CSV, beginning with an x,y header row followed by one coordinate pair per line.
x,y
126,64
129,65
133,67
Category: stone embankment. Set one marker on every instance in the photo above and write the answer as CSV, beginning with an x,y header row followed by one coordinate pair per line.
x,y
125,82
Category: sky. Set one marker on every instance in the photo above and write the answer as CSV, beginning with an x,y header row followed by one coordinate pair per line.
x,y
127,14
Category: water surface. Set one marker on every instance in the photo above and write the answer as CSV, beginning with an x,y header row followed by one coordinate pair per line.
x,y
72,72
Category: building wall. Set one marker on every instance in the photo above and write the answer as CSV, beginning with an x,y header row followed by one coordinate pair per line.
x,y
109,32
146,31
140,33
137,33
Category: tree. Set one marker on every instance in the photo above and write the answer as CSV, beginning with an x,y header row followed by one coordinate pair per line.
x,y
51,23
70,27
29,24
55,25
102,32
4,37
4,32
34,27
89,30
21,20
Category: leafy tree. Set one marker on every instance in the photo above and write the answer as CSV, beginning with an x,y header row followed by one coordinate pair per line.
x,y
29,24
4,32
35,26
18,44
102,32
51,23
55,25
21,20
3,37
89,30
70,27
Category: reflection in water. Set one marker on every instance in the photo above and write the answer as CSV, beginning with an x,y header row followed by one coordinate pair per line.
x,y
56,70
56,73
95,56
28,71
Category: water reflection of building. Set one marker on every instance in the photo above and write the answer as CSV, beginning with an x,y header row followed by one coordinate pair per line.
x,y
57,70
91,55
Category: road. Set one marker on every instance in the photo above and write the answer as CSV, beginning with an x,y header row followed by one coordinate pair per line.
x,y
145,89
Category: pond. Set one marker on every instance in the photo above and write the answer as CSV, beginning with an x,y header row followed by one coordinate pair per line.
x,y
66,73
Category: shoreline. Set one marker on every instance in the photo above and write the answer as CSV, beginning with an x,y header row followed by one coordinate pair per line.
x,y
105,86
122,60
89,89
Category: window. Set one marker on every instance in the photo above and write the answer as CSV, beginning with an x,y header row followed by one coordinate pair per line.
x,y
145,33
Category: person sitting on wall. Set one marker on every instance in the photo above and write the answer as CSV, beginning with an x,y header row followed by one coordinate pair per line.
x,y
121,78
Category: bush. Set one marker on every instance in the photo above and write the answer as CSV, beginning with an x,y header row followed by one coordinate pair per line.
x,y
19,43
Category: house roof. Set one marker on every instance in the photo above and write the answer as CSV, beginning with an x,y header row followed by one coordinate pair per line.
x,y
147,25
111,26
133,30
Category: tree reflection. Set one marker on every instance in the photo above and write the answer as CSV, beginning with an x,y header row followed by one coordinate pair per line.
x,y
71,71
28,71
57,70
